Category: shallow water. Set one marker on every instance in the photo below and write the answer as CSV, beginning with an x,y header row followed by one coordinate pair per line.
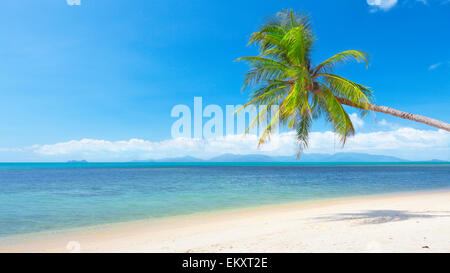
x,y
46,196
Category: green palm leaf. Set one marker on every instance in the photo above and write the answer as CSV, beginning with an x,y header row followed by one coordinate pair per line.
x,y
342,58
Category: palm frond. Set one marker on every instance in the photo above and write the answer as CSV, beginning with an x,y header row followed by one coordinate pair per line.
x,y
358,94
342,58
303,128
299,42
336,114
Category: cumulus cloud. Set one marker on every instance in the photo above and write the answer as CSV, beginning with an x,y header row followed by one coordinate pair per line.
x,y
381,4
383,122
356,121
385,5
409,143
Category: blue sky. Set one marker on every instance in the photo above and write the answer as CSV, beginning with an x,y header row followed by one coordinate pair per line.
x,y
111,71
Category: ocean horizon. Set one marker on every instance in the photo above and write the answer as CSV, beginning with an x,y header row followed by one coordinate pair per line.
x,y
169,164
37,197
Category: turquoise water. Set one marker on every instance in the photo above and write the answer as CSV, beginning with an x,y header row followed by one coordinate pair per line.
x,y
47,196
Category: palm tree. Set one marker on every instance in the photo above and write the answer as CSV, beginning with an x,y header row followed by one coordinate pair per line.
x,y
283,74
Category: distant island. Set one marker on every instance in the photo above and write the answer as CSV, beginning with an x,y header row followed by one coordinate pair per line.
x,y
338,157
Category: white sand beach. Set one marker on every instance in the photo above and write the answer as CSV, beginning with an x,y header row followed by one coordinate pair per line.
x,y
413,222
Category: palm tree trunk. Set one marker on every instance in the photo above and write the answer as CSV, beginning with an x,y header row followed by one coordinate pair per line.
x,y
405,115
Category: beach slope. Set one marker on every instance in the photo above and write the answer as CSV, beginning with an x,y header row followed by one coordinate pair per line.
x,y
413,222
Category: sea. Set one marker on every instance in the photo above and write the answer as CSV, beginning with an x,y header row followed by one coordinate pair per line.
x,y
37,197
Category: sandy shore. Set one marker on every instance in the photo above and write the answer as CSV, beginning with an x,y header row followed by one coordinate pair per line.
x,y
418,222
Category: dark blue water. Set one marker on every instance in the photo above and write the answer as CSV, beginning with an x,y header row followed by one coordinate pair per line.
x,y
48,196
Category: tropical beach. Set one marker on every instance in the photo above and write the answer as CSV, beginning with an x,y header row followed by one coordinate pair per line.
x,y
220,127
413,222
224,207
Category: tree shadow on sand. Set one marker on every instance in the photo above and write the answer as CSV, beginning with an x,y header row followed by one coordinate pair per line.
x,y
383,216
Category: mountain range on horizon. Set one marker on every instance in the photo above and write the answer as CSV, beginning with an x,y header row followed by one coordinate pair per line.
x,y
337,157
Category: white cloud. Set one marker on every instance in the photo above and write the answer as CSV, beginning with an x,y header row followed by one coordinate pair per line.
x,y
357,121
409,143
434,66
385,123
73,2
428,2
385,5
381,4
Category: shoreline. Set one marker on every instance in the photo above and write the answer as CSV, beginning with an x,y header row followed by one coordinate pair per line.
x,y
172,233
220,211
